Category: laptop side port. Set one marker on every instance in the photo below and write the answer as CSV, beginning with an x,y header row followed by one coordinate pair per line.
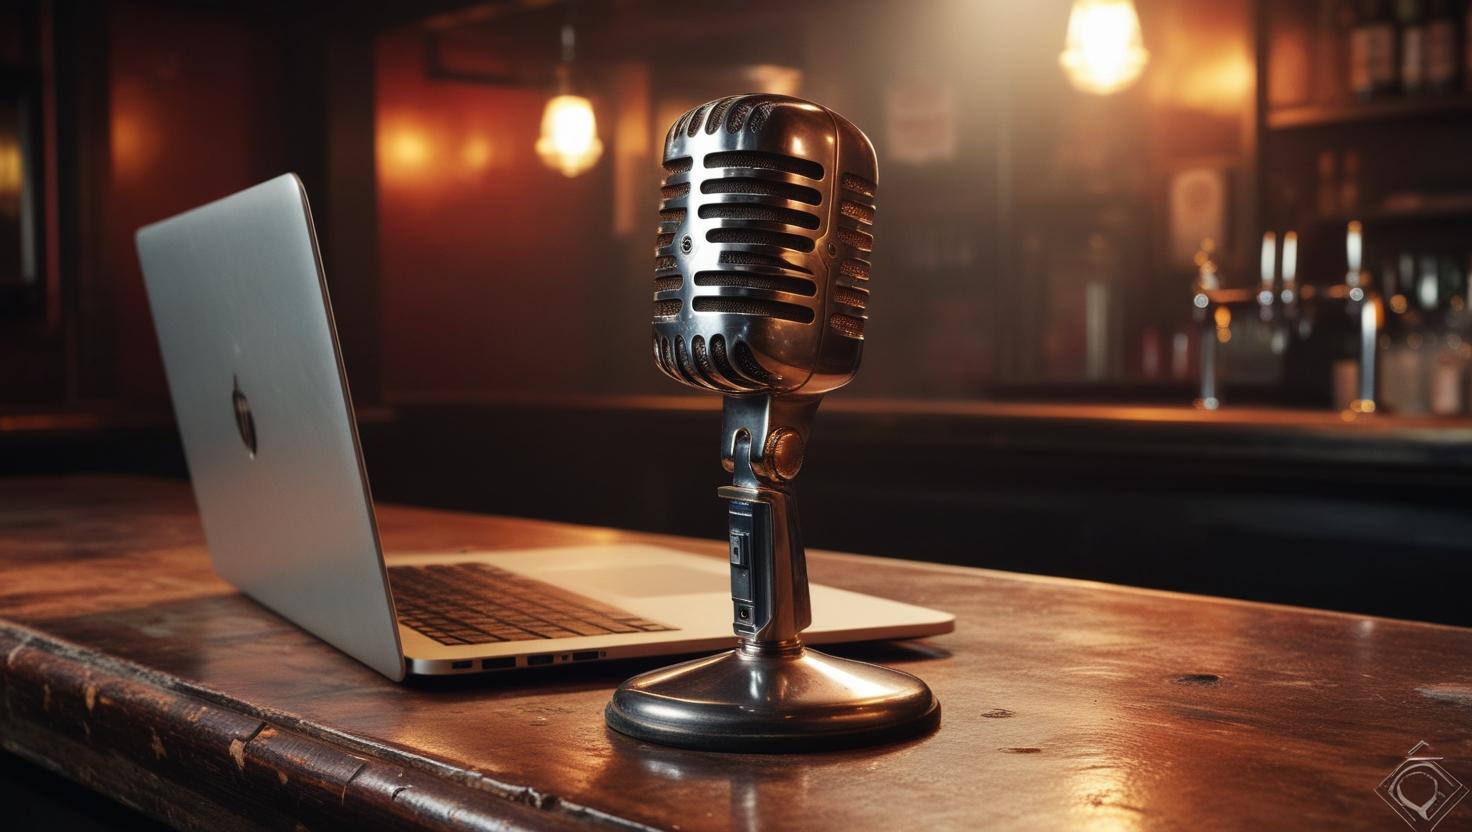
x,y
544,658
585,655
462,665
498,664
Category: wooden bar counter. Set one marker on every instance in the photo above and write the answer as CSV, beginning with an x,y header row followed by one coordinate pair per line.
x,y
129,667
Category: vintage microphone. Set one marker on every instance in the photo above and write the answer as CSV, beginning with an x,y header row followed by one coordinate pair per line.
x,y
760,269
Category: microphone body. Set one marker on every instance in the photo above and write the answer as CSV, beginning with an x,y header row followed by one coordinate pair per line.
x,y
760,272
761,267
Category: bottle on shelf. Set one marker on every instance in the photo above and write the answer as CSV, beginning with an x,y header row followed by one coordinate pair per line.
x,y
1327,195
1426,344
1405,284
1448,372
1441,47
1349,184
1428,286
1372,52
1347,17
1328,83
1453,289
1449,380
1410,15
1291,54
1467,48
1403,373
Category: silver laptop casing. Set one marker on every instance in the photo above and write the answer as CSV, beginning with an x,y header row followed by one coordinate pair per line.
x,y
291,525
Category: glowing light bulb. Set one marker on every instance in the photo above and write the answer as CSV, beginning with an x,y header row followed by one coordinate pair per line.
x,y
1104,51
409,149
569,140
12,174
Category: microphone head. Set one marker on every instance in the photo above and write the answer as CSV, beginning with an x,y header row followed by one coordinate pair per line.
x,y
762,256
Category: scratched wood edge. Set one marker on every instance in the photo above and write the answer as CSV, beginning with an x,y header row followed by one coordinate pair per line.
x,y
196,758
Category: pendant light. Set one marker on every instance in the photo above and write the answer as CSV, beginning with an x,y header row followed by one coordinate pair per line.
x,y
1104,51
569,141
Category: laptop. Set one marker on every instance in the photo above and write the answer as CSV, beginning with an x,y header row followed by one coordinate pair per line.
x,y
251,353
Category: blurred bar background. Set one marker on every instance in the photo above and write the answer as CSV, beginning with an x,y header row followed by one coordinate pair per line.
x,y
1053,197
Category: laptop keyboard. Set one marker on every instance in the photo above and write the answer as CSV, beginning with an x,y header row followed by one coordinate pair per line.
x,y
475,603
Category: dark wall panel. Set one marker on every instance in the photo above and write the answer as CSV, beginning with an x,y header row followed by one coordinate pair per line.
x,y
194,113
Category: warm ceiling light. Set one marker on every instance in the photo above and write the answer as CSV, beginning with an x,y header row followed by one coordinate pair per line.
x,y
408,149
12,176
569,140
1104,51
476,153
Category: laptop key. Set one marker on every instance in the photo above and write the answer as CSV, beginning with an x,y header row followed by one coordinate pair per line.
x,y
583,629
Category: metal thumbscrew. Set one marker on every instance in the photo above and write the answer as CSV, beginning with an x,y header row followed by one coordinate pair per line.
x,y
784,452
832,250
686,244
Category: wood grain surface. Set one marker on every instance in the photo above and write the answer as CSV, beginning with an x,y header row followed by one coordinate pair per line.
x,y
131,668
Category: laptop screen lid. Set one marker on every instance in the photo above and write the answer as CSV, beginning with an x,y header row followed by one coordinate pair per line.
x,y
251,354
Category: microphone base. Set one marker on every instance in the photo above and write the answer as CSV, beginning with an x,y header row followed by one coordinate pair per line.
x,y
773,699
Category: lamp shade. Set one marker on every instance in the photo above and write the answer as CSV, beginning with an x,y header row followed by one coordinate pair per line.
x,y
569,140
1104,51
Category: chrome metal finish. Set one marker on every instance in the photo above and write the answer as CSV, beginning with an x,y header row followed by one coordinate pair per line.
x,y
761,261
1367,308
776,606
1292,310
773,698
1207,284
1289,293
762,251
763,421
1267,287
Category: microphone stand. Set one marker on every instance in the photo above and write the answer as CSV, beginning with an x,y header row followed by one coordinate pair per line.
x,y
769,576
771,693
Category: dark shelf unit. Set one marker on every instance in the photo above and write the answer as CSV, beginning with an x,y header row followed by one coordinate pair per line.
x,y
1413,179
1396,164
1380,109
1451,207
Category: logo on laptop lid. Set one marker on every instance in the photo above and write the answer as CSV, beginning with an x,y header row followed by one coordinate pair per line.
x,y
243,418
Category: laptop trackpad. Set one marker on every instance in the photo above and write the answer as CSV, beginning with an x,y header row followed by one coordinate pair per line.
x,y
649,581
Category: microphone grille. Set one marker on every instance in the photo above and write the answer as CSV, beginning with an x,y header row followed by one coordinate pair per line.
x,y
736,113
856,208
762,253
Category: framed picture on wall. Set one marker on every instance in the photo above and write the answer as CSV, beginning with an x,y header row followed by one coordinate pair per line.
x,y
1197,209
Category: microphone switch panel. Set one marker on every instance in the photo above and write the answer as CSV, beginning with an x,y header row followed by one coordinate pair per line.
x,y
751,558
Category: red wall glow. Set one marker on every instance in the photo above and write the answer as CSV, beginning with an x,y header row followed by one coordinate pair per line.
x,y
485,254
192,110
